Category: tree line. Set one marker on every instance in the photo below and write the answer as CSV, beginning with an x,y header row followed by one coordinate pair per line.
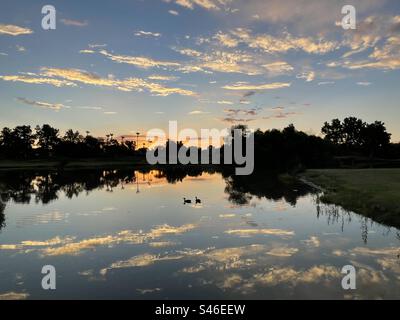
x,y
278,150
23,142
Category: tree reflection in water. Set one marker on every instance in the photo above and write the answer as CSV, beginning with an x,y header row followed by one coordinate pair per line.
x,y
2,215
46,186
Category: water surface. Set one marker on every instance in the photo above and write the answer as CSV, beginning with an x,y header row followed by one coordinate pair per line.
x,y
126,234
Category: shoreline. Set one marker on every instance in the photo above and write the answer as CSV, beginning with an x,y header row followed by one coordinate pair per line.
x,y
373,193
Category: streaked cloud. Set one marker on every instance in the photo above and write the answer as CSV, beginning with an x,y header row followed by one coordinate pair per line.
x,y
163,78
247,86
87,51
13,30
279,67
254,232
14,295
198,112
35,79
142,33
74,23
70,77
205,4
225,102
173,12
69,246
141,62
46,105
282,252
307,76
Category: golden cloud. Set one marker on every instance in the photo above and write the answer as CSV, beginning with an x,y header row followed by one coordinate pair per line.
x,y
13,30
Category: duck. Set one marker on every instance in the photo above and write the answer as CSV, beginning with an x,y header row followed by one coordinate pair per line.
x,y
186,201
198,200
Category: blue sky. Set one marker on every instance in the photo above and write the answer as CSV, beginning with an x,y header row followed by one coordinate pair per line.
x,y
123,66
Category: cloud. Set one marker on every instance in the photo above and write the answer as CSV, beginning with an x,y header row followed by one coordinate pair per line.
x,y
38,80
20,48
237,120
147,259
87,51
281,115
46,105
142,33
225,102
245,112
70,77
219,61
198,112
173,12
163,78
95,45
324,83
14,296
141,62
278,68
70,246
188,52
282,252
254,232
312,242
13,30
74,23
376,34
143,260
226,40
294,277
306,16
205,4
286,42
246,86
55,107
307,75
128,84
364,83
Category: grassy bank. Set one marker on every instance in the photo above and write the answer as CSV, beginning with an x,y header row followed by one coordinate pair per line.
x,y
374,193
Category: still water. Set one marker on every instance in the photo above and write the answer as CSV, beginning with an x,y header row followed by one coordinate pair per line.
x,y
126,234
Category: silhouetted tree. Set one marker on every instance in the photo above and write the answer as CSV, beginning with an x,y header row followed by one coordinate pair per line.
x,y
357,136
47,139
375,138
17,142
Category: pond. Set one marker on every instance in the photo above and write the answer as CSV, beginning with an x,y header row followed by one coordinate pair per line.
x,y
127,234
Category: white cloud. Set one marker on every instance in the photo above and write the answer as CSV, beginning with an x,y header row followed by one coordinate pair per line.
x,y
198,112
307,75
247,86
87,51
205,4
279,67
147,34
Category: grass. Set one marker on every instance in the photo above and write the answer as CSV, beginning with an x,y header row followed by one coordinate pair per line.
x,y
374,193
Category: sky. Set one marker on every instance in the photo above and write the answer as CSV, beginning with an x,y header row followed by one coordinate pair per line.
x,y
127,66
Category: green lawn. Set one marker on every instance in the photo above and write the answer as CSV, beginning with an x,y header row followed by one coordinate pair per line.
x,y
372,192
